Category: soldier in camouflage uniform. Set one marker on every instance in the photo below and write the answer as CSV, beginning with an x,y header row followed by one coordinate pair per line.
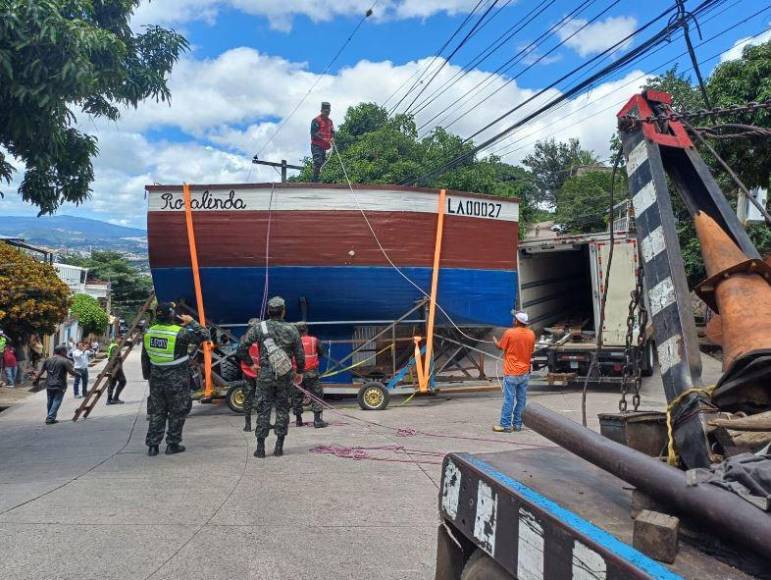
x,y
165,363
311,379
273,390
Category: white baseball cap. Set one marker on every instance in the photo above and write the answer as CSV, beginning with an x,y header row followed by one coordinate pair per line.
x,y
521,316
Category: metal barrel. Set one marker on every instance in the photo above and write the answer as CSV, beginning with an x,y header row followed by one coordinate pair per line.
x,y
720,511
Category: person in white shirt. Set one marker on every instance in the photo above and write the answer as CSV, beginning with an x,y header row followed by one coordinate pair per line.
x,y
81,356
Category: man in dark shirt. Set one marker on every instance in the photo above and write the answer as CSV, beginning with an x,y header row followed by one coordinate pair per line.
x,y
56,369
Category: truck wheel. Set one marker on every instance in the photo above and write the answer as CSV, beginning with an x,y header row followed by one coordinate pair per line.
x,y
236,397
648,361
482,567
373,396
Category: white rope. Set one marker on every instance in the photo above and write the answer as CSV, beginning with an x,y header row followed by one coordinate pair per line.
x,y
388,258
264,304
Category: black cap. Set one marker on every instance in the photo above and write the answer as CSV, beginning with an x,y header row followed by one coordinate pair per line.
x,y
325,105
165,309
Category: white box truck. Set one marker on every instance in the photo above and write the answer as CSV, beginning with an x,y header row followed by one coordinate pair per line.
x,y
561,282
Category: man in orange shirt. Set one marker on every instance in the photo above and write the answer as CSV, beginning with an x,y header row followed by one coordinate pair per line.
x,y
517,345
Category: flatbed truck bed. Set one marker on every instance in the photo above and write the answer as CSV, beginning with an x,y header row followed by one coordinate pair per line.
x,y
546,513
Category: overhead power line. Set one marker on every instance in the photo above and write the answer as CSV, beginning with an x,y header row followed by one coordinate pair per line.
x,y
438,53
345,44
512,62
493,47
630,56
461,44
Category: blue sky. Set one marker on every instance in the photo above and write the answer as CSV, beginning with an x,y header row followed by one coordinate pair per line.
x,y
253,60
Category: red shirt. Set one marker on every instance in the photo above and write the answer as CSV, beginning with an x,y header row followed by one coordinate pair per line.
x,y
517,344
9,357
254,354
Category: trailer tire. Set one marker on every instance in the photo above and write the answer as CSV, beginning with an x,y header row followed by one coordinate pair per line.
x,y
236,397
229,370
373,396
482,567
648,362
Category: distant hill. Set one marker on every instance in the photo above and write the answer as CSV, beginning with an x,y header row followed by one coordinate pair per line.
x,y
65,233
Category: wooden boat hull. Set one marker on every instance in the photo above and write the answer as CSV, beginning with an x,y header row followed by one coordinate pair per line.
x,y
323,258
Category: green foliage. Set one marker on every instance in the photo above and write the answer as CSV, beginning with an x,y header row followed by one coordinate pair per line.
x,y
57,56
737,82
129,287
92,318
583,201
379,149
734,82
33,300
553,162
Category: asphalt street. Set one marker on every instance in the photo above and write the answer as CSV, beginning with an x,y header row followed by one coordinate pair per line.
x,y
83,500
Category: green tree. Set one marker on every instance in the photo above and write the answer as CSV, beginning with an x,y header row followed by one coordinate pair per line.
x,y
129,287
553,162
92,318
379,149
33,300
62,56
583,201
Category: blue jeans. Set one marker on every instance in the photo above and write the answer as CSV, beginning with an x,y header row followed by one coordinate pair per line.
x,y
83,377
10,375
55,397
514,399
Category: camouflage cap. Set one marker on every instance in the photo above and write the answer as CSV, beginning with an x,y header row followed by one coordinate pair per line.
x,y
276,302
301,326
326,105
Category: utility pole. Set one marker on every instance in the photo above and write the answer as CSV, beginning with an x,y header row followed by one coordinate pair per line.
x,y
283,165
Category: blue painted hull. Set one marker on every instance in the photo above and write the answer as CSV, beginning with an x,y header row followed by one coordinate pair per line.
x,y
344,293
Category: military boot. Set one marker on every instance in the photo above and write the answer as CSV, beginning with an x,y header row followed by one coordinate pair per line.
x,y
173,448
152,450
299,420
248,423
278,451
318,422
260,451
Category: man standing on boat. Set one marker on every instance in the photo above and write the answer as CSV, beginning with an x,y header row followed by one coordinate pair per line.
x,y
279,342
310,380
322,137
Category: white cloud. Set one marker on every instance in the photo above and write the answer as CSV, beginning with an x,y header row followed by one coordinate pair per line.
x,y
280,13
228,107
599,36
735,51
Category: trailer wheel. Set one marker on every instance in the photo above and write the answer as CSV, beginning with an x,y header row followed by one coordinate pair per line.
x,y
648,362
229,370
482,567
236,397
373,396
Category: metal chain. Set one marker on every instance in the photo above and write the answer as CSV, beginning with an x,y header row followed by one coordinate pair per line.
x,y
750,107
642,323
632,374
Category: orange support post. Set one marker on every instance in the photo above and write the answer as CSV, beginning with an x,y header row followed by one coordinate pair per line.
x,y
426,367
207,346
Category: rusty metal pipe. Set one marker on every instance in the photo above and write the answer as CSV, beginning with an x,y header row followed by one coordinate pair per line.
x,y
726,514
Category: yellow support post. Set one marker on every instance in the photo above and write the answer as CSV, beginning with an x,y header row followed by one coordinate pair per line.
x,y
426,367
207,346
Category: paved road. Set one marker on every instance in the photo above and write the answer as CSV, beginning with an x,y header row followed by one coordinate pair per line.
x,y
83,500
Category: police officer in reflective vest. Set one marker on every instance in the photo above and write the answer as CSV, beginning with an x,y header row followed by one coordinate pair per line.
x,y
310,380
165,362
322,136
